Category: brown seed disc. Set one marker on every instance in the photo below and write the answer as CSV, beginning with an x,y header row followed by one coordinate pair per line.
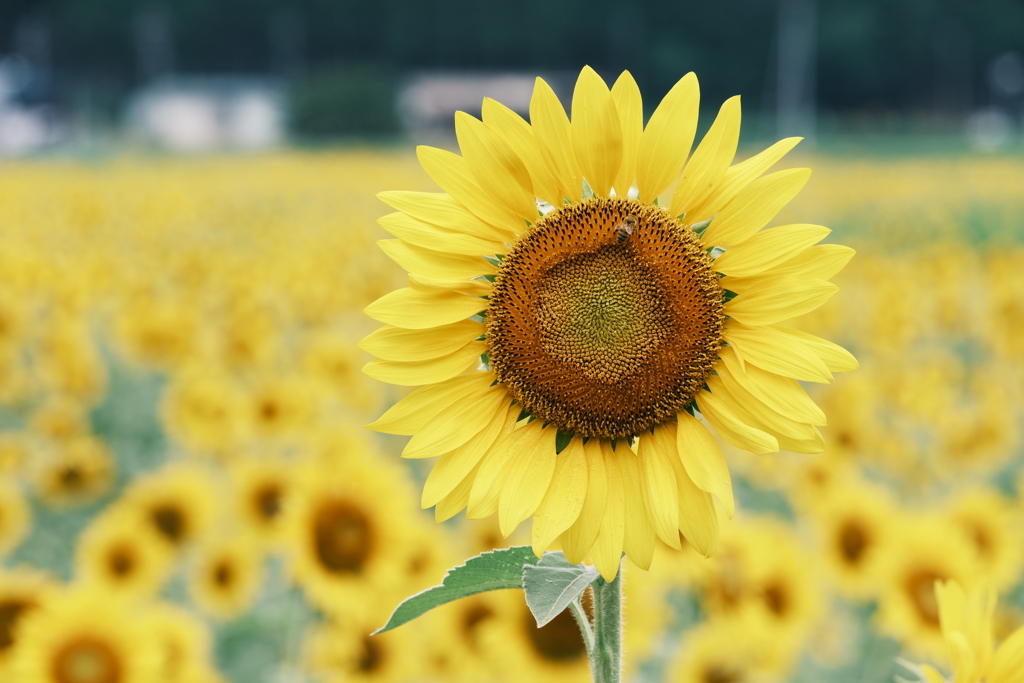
x,y
603,332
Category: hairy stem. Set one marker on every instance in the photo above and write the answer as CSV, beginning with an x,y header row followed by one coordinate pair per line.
x,y
606,657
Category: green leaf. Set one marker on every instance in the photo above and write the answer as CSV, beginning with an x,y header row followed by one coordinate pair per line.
x,y
490,571
554,583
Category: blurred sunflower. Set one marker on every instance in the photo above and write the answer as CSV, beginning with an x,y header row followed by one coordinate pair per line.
x,y
157,332
15,515
282,408
186,643
21,591
226,574
261,491
118,552
67,360
59,418
177,503
205,411
726,652
73,472
346,537
84,635
991,523
560,316
342,652
519,651
853,524
14,451
923,552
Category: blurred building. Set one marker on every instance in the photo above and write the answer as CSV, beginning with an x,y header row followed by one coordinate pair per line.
x,y
205,113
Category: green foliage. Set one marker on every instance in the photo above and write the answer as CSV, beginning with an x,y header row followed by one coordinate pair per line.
x,y
344,100
493,570
552,584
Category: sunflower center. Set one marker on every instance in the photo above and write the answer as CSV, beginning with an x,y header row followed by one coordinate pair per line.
x,y
224,574
559,640
268,501
343,537
170,522
717,673
853,541
10,612
86,661
776,598
121,561
920,588
604,331
372,656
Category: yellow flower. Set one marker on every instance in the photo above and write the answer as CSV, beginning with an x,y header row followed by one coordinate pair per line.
x,y
966,619
15,515
569,323
205,411
342,651
991,523
84,635
723,652
21,591
58,419
119,553
226,575
186,643
260,492
282,408
68,361
177,503
73,472
155,331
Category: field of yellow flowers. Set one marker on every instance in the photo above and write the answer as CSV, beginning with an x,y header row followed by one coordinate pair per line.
x,y
179,377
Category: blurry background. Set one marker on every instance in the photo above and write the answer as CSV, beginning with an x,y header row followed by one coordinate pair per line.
x,y
200,75
187,242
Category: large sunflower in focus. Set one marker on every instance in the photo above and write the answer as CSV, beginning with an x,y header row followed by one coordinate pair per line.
x,y
571,325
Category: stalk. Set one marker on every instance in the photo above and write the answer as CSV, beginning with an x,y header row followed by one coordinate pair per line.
x,y
606,656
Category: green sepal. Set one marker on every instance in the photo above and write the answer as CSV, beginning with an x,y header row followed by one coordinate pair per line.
x,y
490,571
562,440
553,583
699,228
588,192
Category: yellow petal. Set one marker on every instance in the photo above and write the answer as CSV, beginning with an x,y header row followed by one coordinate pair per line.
x,y
483,499
420,372
564,500
752,208
1008,661
553,133
527,478
394,343
596,132
630,108
413,309
518,134
726,422
413,412
579,538
698,521
435,287
607,549
661,495
835,357
738,177
776,351
791,435
667,139
778,299
430,236
455,426
443,210
451,468
454,175
821,262
769,248
703,461
710,161
782,394
638,535
442,265
496,167
456,501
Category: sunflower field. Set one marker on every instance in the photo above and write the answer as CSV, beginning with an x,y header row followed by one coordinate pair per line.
x,y
188,494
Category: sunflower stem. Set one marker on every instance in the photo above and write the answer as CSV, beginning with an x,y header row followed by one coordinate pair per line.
x,y
576,607
606,657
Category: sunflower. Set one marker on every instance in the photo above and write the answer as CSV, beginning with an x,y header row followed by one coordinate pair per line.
x,y
74,472
226,575
576,332
159,332
967,625
186,643
343,652
992,525
455,647
59,419
21,591
261,491
15,448
726,652
923,552
68,361
854,532
205,411
519,651
177,503
118,552
15,515
84,635
345,537
282,408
